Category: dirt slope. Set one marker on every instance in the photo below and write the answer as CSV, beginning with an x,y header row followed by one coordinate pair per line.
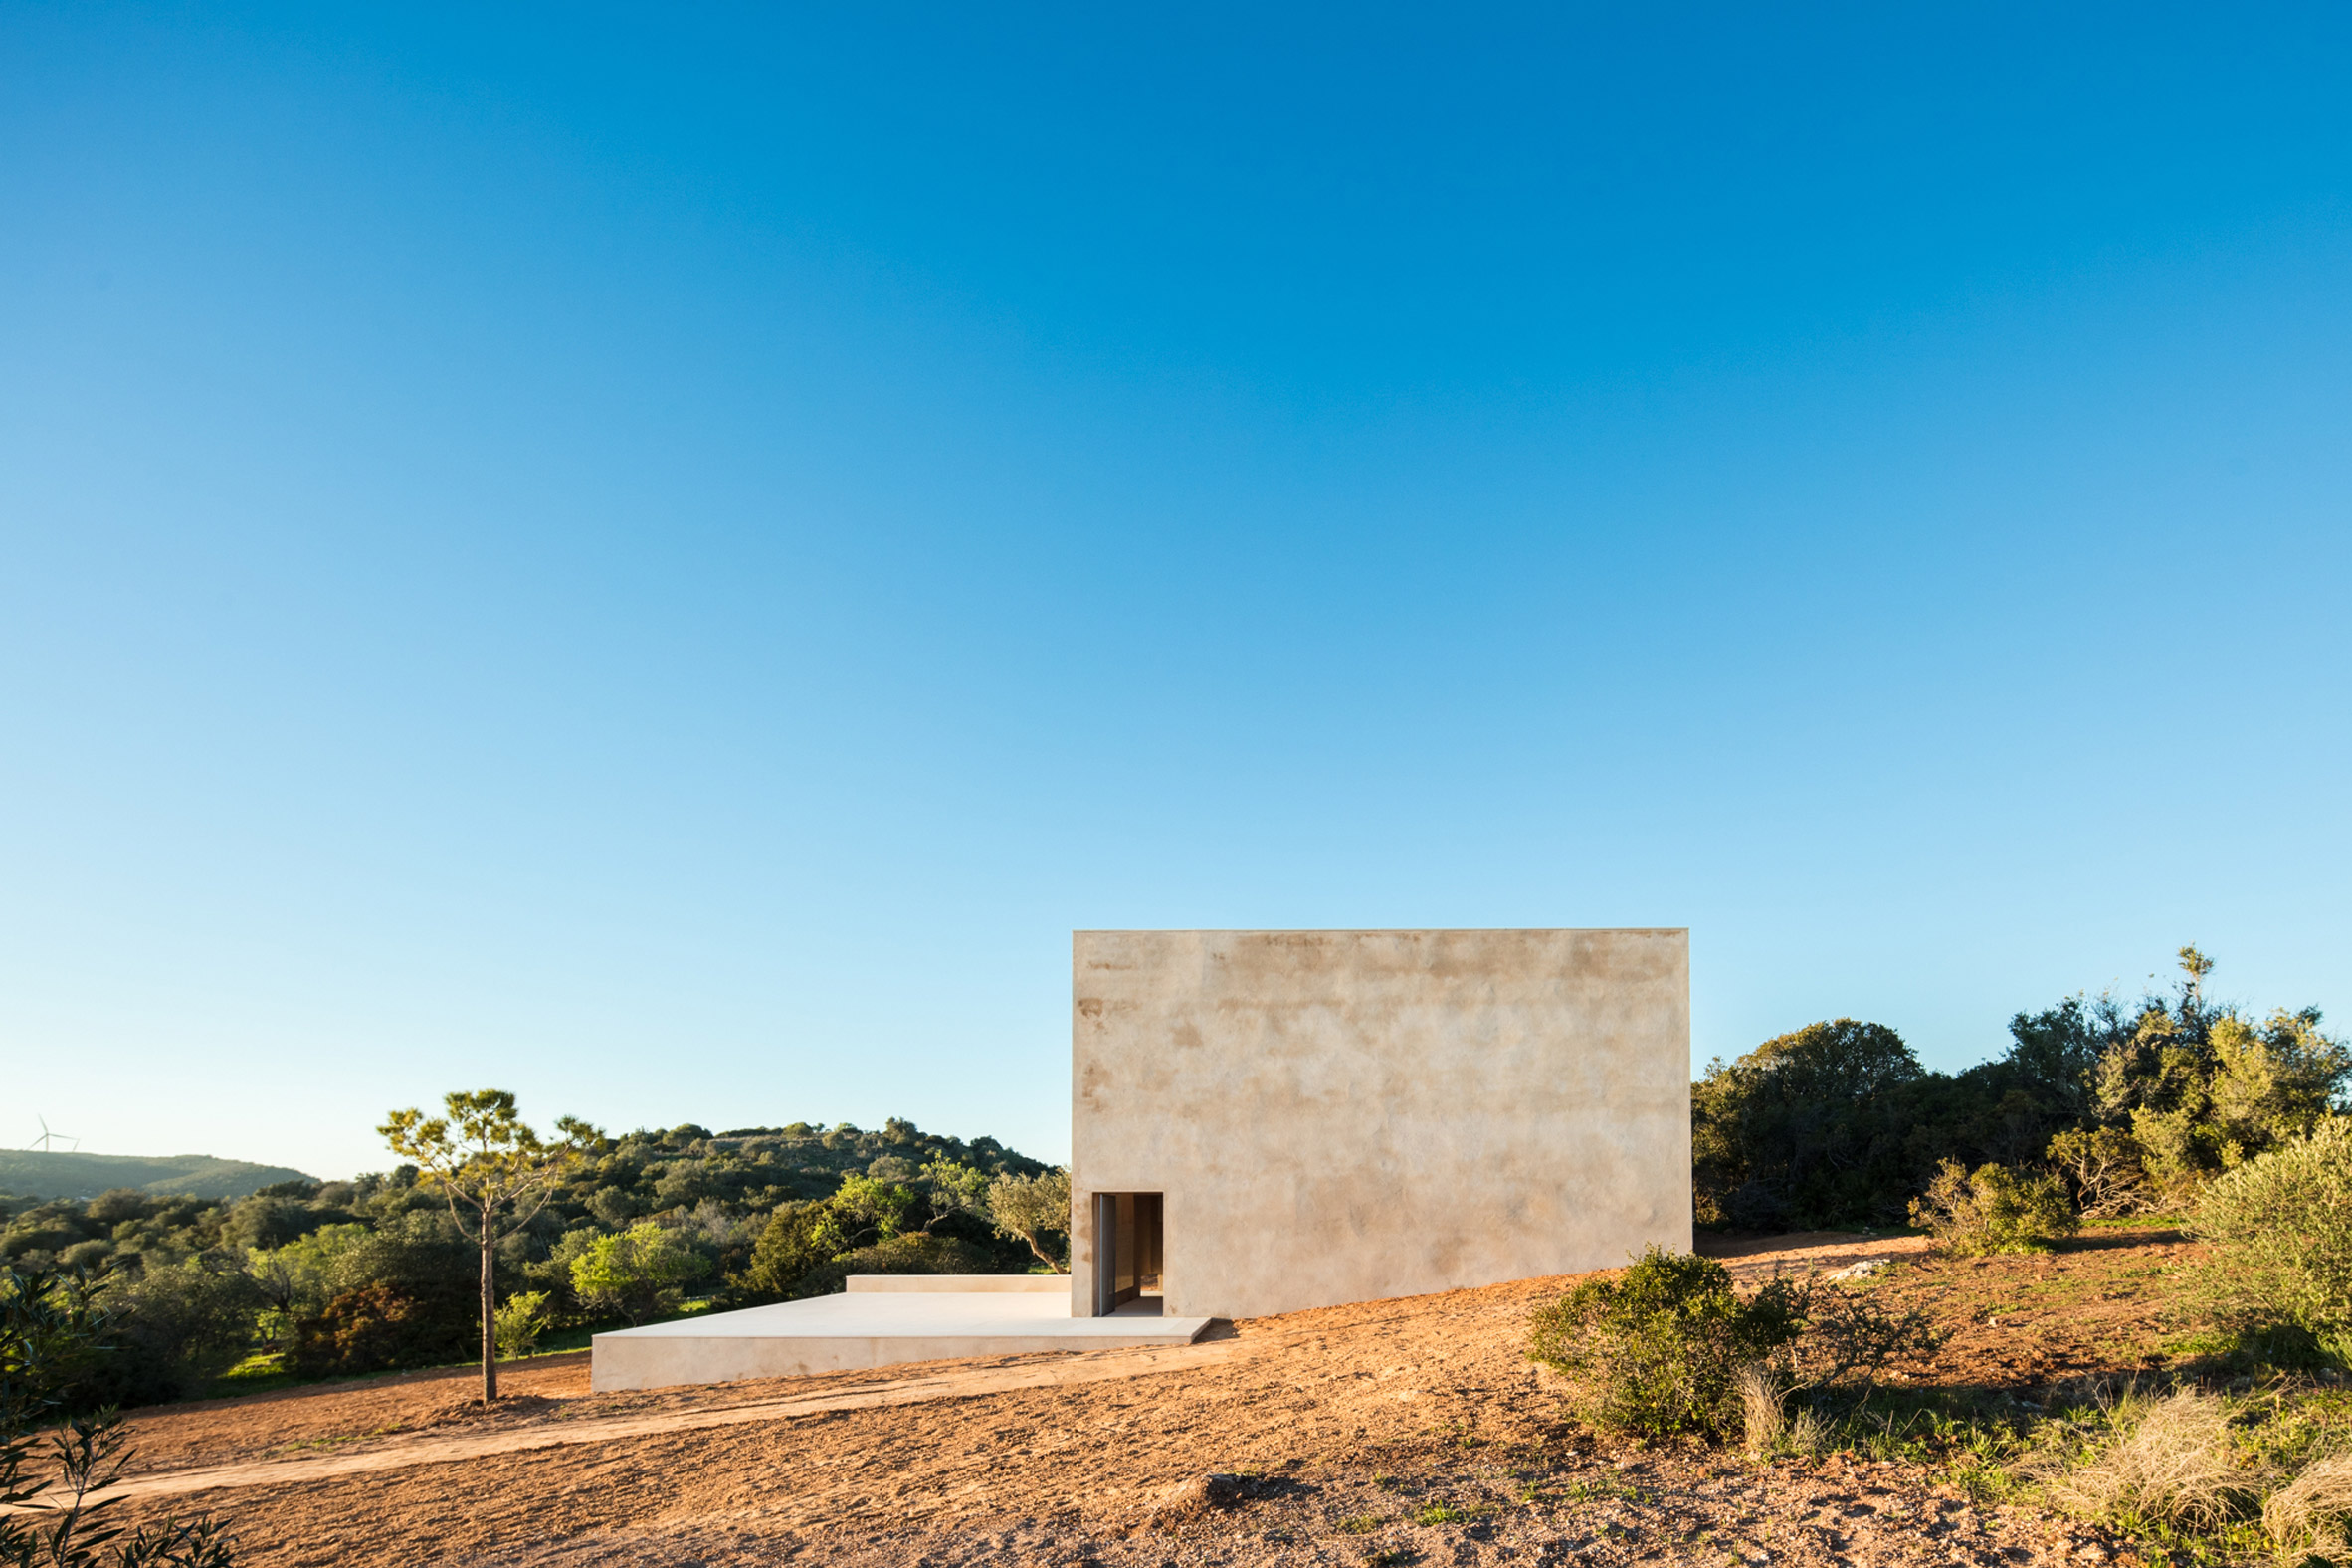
x,y
1350,1425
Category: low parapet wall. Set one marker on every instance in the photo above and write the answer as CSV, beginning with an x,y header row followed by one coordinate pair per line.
x,y
962,1284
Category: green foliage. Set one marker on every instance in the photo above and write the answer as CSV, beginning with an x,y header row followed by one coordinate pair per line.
x,y
121,1231
379,1327
52,1337
1807,1128
481,1153
1033,1209
798,1239
49,1324
298,1278
420,1254
950,1188
912,1252
2279,1234
362,1276
2133,1106
868,1226
1662,1347
172,1330
872,1209
522,1318
2183,1088
1655,1351
2206,1105
405,1294
1992,1209
639,1274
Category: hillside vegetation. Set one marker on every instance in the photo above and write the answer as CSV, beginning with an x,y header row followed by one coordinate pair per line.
x,y
334,1277
37,1173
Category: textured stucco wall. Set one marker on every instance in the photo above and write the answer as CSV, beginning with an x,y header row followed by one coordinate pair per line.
x,y
1350,1115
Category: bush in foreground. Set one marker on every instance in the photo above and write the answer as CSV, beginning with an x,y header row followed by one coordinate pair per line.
x,y
1992,1209
2279,1230
58,1483
1671,1347
1659,1348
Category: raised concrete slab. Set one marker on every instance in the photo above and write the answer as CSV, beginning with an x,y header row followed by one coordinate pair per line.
x,y
883,1320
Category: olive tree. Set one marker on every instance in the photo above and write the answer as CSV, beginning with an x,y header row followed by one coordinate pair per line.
x,y
495,1174
1029,1207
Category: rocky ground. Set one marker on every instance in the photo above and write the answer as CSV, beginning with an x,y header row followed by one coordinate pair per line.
x,y
1390,1433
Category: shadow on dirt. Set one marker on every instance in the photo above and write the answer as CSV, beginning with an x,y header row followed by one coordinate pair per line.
x,y
2108,1241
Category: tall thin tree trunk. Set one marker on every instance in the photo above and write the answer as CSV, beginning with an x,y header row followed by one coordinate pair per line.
x,y
490,1320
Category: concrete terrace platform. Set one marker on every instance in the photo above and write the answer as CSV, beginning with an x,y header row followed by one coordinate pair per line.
x,y
883,1320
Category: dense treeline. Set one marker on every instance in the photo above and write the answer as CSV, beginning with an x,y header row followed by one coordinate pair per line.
x,y
2134,1104
356,1275
2128,1106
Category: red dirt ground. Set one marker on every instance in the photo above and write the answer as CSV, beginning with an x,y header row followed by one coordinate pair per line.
x,y
1407,1430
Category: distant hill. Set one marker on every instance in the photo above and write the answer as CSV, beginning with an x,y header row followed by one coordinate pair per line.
x,y
31,1173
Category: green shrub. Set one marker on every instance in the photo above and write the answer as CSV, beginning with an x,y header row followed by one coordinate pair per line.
x,y
1658,1349
58,1481
642,1272
2103,1170
407,1295
421,1255
2278,1229
172,1330
521,1318
798,1237
299,1277
1993,1210
1671,1347
380,1326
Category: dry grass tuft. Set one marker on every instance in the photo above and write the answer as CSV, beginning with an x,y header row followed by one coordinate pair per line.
x,y
1808,1433
2311,1510
2173,1462
1764,1416
1764,1411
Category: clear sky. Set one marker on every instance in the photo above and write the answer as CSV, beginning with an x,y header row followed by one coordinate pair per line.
x,y
665,559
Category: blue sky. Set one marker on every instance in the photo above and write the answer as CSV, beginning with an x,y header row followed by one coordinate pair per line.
x,y
666,562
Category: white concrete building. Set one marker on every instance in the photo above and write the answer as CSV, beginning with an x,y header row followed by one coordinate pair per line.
x,y
1264,1121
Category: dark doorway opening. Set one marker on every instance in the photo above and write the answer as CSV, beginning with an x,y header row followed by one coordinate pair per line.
x,y
1128,1254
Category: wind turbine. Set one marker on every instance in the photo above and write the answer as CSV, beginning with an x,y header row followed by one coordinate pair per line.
x,y
46,1142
